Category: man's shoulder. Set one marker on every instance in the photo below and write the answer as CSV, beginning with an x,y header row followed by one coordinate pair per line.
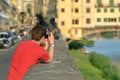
x,y
26,42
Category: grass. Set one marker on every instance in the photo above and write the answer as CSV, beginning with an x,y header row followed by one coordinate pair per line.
x,y
93,72
88,71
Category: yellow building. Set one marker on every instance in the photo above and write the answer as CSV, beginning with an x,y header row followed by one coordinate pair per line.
x,y
73,16
30,8
107,14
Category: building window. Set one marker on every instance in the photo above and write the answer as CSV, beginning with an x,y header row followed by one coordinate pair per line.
x,y
29,9
62,10
76,0
98,10
72,21
119,9
111,2
98,19
72,10
87,1
105,10
76,21
119,19
88,21
99,2
105,19
112,10
62,23
87,10
76,10
76,31
112,19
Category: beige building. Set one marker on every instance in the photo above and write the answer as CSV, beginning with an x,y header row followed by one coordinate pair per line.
x,y
35,6
27,6
25,12
74,16
30,8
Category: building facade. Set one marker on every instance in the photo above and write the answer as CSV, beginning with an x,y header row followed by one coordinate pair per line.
x,y
73,16
5,11
27,10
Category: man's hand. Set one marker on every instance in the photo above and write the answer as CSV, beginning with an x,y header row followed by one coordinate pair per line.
x,y
51,38
46,44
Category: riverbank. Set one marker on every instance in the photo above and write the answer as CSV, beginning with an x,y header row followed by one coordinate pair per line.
x,y
95,39
109,48
95,67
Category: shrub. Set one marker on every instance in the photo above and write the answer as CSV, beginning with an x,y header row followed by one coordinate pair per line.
x,y
86,42
75,45
109,71
99,61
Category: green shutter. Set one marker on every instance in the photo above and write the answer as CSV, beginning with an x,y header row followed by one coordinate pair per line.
x,y
105,10
98,10
98,19
111,2
119,9
119,19
98,1
112,10
105,20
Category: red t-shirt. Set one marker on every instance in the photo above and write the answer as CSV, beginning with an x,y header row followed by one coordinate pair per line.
x,y
27,54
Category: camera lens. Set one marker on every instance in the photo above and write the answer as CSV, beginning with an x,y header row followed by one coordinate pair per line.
x,y
46,36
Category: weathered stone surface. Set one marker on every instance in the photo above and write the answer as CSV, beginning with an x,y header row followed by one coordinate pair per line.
x,y
62,67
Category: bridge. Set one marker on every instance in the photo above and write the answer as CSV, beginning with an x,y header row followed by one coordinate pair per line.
x,y
98,29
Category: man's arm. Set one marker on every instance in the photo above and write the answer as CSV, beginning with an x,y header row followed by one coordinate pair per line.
x,y
51,46
51,52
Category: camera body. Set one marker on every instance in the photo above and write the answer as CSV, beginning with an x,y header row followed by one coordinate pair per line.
x,y
46,36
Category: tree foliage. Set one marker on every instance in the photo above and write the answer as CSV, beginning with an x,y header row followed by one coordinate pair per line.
x,y
87,42
75,45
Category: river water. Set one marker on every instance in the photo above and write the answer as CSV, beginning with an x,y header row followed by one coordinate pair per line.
x,y
107,47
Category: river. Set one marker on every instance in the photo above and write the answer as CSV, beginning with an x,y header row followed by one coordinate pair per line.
x,y
107,47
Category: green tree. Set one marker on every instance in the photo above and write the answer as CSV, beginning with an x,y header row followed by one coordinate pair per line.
x,y
75,45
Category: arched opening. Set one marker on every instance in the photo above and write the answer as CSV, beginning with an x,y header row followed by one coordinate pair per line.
x,y
29,9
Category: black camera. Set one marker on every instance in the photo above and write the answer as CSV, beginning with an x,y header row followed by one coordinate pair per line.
x,y
46,36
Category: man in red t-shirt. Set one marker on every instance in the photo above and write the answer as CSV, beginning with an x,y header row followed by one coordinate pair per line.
x,y
30,52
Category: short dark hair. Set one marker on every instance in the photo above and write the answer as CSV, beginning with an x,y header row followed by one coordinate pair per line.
x,y
38,32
